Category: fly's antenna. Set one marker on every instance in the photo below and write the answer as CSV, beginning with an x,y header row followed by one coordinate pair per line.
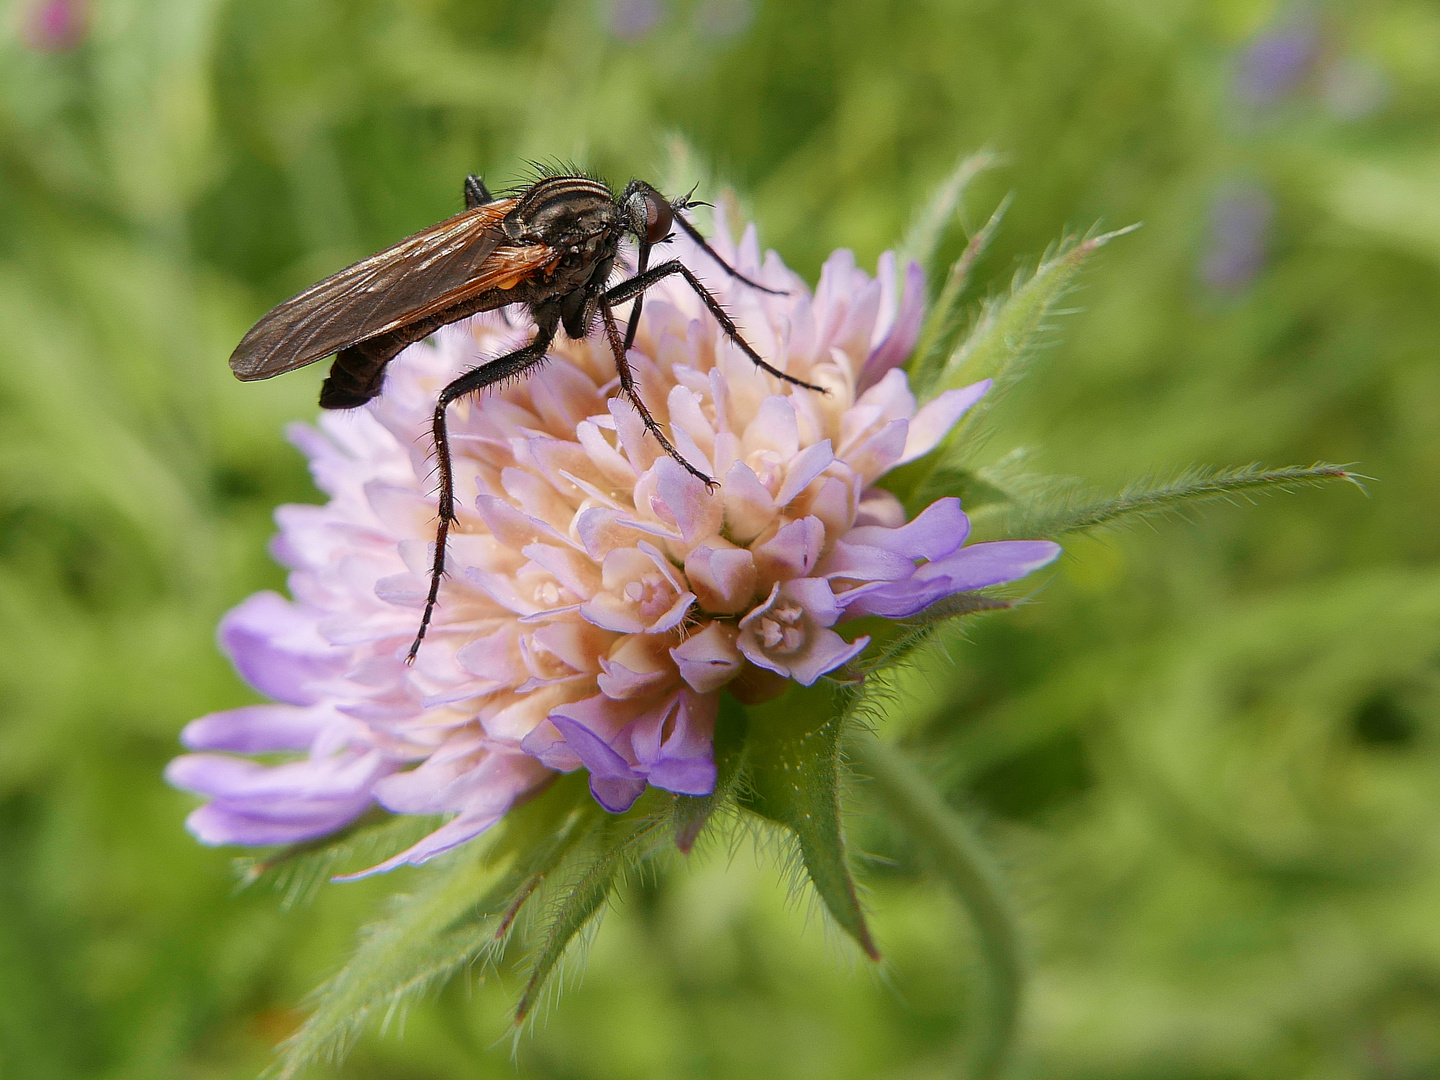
x,y
694,235
686,201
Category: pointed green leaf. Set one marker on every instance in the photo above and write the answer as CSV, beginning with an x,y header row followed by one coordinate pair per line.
x,y
298,871
1008,333
892,640
1072,511
943,321
446,924
929,226
1011,328
795,761
617,844
693,812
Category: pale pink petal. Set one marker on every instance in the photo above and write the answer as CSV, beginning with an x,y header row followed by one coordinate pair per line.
x,y
805,467
723,579
710,659
881,452
792,552
749,508
697,512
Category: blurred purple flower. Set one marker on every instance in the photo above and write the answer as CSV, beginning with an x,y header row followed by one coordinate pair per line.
x,y
1238,241
631,20
600,596
55,25
1278,60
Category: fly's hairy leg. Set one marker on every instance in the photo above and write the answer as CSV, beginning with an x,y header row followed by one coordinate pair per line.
x,y
509,366
642,262
640,282
632,394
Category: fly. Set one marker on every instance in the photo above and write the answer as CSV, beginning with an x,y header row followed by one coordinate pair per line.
x,y
551,247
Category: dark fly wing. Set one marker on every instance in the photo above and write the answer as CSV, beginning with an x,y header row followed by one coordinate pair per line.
x,y
422,274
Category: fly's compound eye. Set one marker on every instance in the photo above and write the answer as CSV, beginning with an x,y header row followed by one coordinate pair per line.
x,y
658,218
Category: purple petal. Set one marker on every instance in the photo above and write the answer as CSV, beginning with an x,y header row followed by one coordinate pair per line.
x,y
936,532
683,760
828,651
450,835
258,804
817,651
505,778
935,418
863,562
293,784
613,782
993,563
975,567
904,332
816,597
684,776
893,600
216,824
256,729
277,650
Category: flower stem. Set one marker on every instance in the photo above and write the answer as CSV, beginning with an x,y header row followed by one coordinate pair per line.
x,y
961,860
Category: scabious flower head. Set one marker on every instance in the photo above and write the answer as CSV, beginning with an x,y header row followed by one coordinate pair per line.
x,y
599,596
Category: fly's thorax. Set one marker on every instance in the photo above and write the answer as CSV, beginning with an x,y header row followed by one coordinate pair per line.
x,y
571,214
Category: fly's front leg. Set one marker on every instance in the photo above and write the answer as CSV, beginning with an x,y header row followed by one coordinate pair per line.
x,y
632,395
640,282
509,366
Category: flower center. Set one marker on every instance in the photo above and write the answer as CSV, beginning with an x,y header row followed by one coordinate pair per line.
x,y
768,469
651,594
780,630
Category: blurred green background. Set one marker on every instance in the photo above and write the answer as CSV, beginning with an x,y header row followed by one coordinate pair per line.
x,y
1207,756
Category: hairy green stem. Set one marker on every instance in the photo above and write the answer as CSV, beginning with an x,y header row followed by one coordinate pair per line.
x,y
961,860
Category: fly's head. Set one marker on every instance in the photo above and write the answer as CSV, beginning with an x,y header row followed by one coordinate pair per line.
x,y
647,213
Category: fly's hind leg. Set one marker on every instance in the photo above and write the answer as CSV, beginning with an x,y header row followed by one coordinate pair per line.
x,y
510,366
